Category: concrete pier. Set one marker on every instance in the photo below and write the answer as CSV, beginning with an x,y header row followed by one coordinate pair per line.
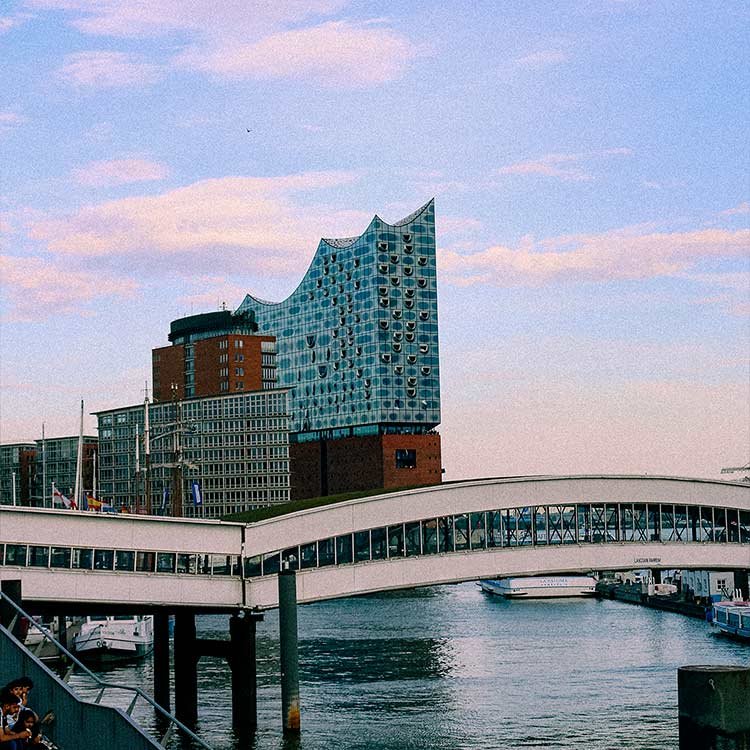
x,y
714,707
290,707
161,660
242,661
185,668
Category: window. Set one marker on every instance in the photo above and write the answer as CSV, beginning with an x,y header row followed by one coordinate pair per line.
x,y
124,560
406,458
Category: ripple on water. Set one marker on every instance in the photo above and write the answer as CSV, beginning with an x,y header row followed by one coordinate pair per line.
x,y
450,668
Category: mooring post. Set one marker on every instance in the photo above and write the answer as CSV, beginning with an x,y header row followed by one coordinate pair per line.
x,y
714,707
11,589
242,661
161,659
185,668
289,653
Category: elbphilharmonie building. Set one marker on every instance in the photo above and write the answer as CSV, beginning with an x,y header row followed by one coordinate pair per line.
x,y
357,345
358,339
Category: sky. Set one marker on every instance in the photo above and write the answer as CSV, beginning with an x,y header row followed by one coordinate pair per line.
x,y
589,162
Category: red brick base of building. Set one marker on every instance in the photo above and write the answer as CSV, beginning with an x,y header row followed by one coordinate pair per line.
x,y
330,467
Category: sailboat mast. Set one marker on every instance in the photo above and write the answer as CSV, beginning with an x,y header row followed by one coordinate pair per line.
x,y
79,463
147,454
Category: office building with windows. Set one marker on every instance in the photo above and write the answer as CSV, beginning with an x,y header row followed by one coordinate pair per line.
x,y
234,446
211,354
27,461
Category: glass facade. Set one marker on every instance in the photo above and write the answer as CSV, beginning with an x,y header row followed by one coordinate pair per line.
x,y
235,446
358,339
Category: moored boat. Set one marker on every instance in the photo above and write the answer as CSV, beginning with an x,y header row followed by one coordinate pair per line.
x,y
111,639
732,618
540,587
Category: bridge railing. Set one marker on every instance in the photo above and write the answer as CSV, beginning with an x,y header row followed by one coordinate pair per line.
x,y
75,717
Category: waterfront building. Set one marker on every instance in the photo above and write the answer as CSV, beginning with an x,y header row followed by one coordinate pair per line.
x,y
211,354
358,348
28,460
708,584
234,447
17,473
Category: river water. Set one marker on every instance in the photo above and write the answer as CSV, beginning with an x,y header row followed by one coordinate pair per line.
x,y
452,668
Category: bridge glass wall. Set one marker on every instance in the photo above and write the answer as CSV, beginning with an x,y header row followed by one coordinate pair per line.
x,y
526,526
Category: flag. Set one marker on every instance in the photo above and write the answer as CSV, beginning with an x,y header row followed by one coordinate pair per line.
x,y
58,497
164,499
93,503
197,495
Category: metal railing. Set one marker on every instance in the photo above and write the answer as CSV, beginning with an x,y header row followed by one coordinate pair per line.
x,y
102,688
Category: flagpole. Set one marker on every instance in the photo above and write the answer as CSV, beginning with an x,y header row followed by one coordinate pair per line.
x,y
79,463
44,471
93,491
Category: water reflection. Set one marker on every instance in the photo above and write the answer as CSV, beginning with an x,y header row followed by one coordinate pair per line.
x,y
450,668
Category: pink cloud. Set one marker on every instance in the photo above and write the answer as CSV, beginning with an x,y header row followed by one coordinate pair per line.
x,y
9,120
124,18
595,257
258,223
741,210
104,69
564,166
34,287
119,172
336,53
542,59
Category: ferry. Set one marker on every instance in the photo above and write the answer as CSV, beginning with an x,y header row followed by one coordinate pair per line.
x,y
113,639
732,618
540,587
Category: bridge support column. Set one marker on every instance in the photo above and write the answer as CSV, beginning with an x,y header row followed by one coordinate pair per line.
x,y
242,661
289,653
714,707
161,660
185,668
11,589
62,631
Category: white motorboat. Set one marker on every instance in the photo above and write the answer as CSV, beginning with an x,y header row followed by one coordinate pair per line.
x,y
540,587
118,638
732,618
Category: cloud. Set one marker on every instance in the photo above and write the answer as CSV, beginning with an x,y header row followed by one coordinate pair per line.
x,y
741,210
266,224
103,69
34,288
616,255
125,18
10,120
119,172
336,53
214,291
541,59
564,166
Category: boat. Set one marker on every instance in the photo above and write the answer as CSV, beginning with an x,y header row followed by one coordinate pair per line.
x,y
732,618
40,645
540,587
112,639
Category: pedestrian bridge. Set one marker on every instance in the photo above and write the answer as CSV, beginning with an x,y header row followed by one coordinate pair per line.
x,y
443,534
